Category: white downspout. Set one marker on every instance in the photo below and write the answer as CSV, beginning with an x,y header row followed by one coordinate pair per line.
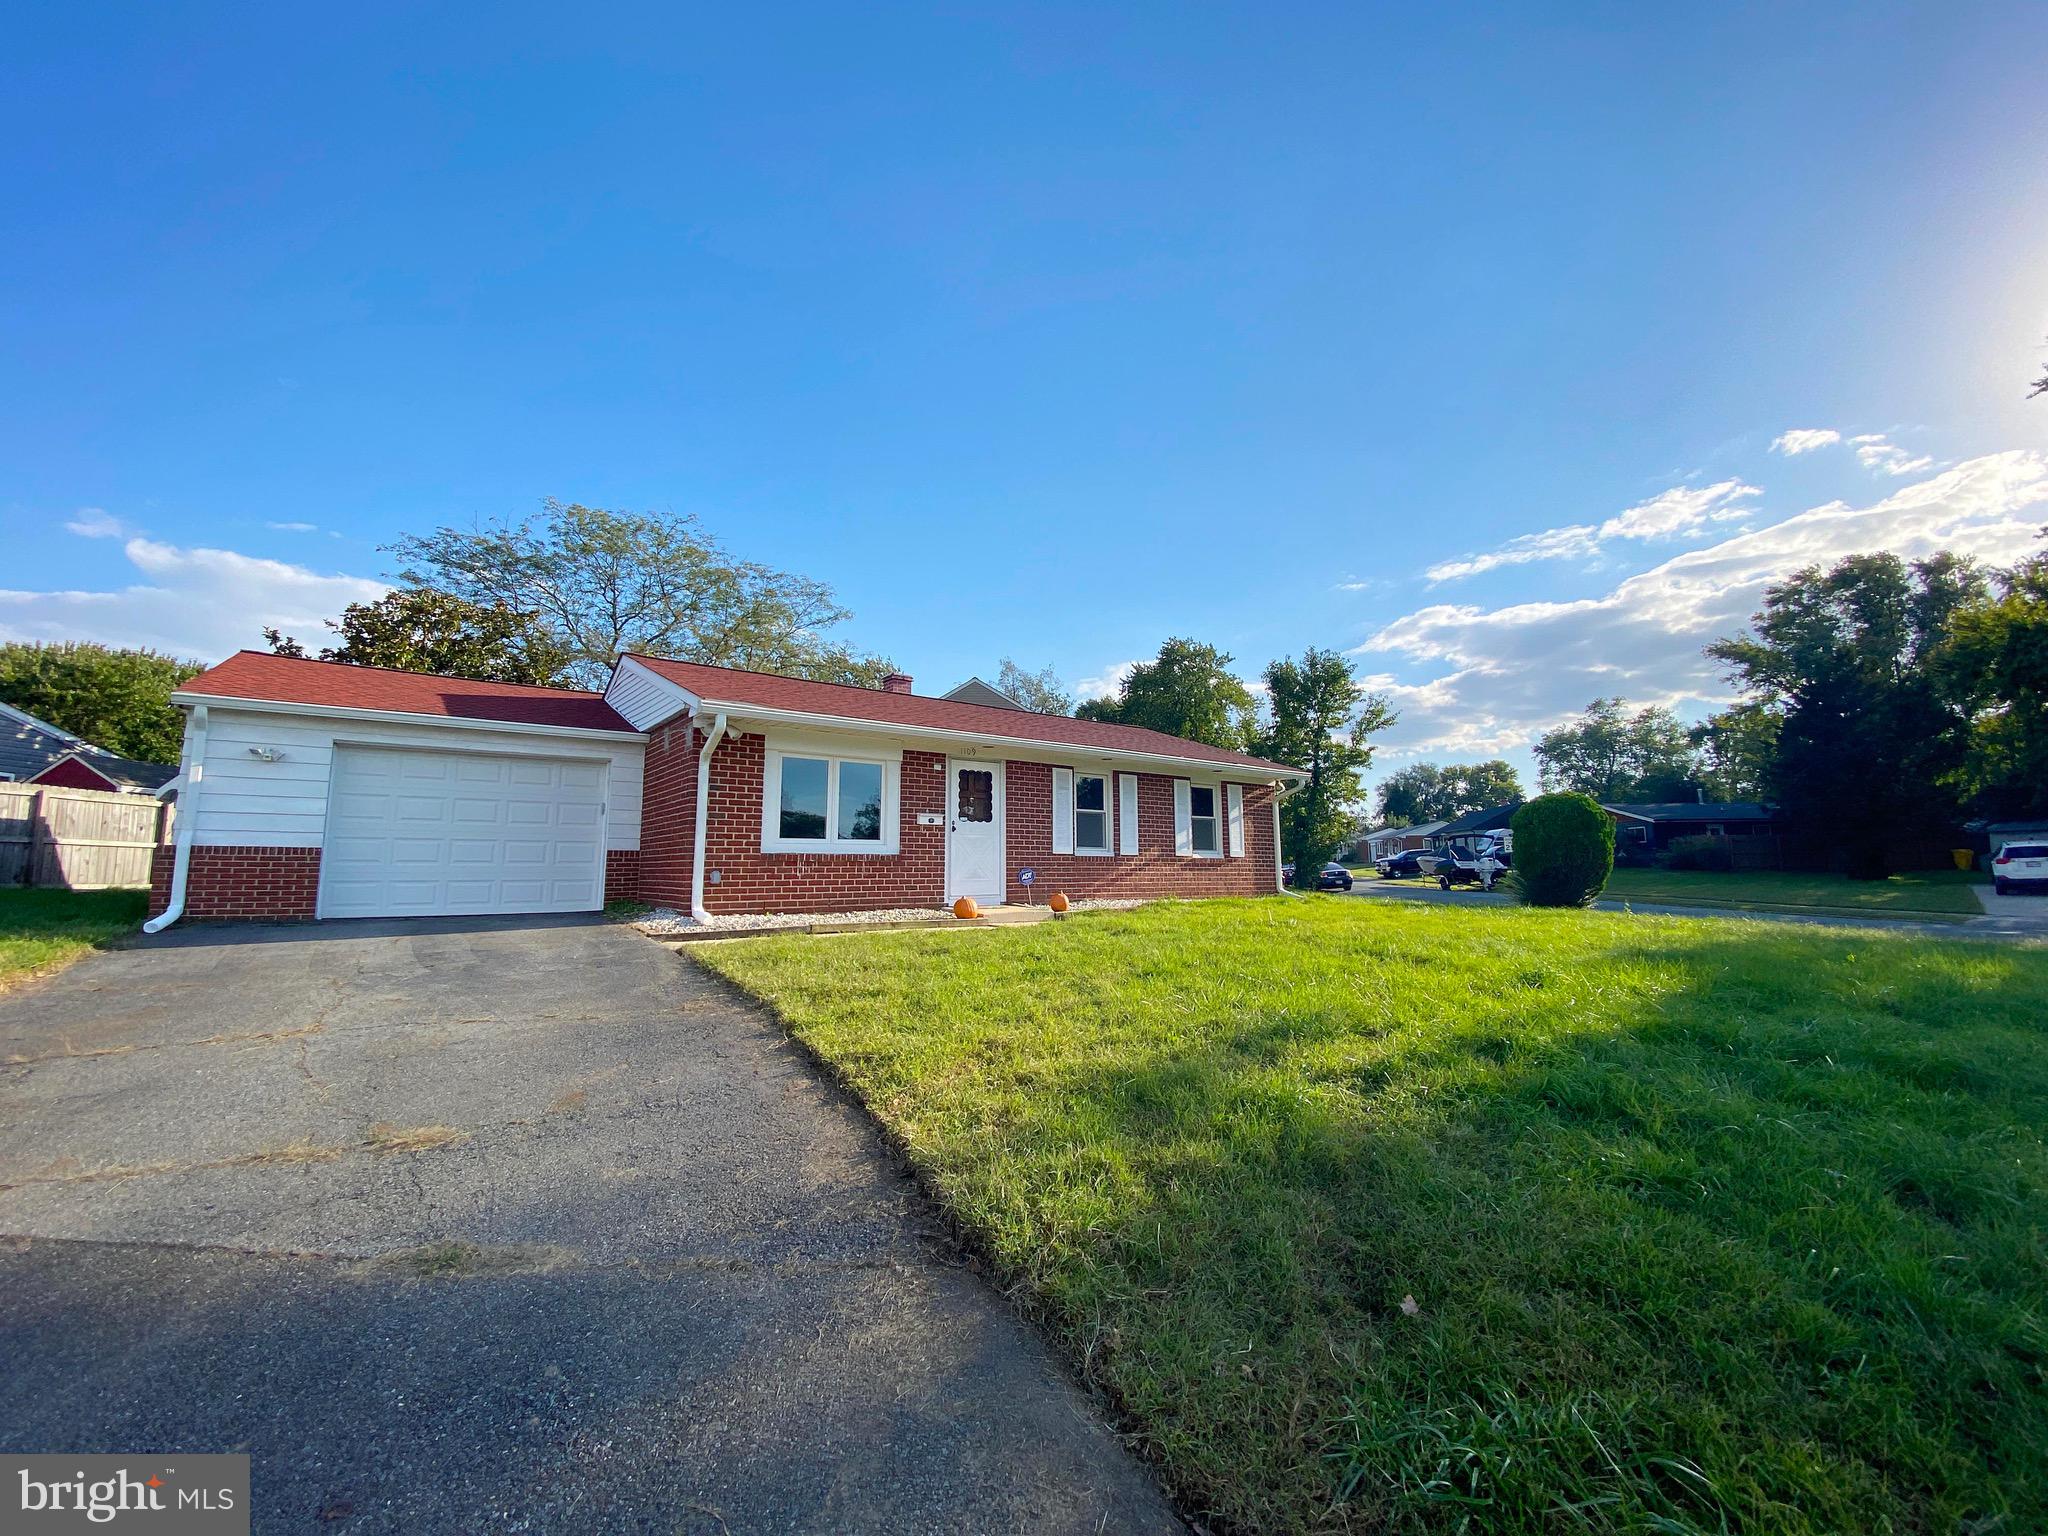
x,y
188,818
703,805
1280,858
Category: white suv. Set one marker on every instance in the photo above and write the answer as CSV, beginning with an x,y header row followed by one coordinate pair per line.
x,y
2019,864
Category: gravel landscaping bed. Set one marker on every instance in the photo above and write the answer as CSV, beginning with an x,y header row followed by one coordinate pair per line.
x,y
667,920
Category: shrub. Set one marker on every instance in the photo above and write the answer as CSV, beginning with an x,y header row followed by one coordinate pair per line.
x,y
1564,851
1701,852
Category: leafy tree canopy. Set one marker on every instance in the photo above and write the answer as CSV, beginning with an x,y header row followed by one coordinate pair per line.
x,y
1187,691
1612,755
1996,660
602,582
117,699
1874,733
1041,690
1737,747
1320,720
417,629
1424,792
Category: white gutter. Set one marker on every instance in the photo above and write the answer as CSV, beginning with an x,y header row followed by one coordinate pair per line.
x,y
1280,858
401,717
1035,748
703,805
188,818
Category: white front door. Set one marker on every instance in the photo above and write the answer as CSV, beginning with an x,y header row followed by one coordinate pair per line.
x,y
974,831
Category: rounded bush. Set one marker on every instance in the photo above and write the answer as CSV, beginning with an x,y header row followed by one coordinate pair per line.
x,y
1564,850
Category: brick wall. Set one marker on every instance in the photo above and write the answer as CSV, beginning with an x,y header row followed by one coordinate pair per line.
x,y
266,884
753,881
622,874
1155,870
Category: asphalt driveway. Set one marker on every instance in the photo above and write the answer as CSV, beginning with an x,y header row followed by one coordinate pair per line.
x,y
523,1226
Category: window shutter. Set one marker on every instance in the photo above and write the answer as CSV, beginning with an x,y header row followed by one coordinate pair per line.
x,y
1183,821
1127,812
1063,810
1234,797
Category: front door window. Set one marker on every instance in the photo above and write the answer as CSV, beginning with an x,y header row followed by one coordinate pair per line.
x,y
977,795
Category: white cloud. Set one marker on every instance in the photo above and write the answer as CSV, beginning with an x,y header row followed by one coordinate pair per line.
x,y
199,603
1874,450
1503,675
1106,683
294,527
1804,440
96,523
1679,511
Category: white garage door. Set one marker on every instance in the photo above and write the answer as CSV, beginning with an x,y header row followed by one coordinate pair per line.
x,y
417,834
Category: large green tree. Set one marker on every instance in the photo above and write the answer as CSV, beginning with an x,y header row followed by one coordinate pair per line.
x,y
1738,746
603,582
117,699
1321,719
1431,792
1996,660
417,629
1612,755
1188,690
1874,734
1042,691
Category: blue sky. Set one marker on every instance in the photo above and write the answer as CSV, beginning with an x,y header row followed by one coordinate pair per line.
x,y
1047,332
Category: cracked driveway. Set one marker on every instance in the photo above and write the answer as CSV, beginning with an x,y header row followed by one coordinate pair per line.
x,y
520,1225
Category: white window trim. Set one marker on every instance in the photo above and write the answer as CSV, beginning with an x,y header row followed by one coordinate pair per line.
x,y
1109,815
772,840
1216,791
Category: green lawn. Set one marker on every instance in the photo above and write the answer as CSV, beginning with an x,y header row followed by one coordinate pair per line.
x,y
1709,1226
1943,891
43,930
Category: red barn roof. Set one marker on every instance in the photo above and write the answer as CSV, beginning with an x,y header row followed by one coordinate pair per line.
x,y
764,690
258,675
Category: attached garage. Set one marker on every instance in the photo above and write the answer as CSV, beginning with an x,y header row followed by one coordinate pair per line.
x,y
311,789
414,833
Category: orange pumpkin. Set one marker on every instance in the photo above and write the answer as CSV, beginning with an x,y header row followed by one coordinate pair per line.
x,y
965,908
1058,902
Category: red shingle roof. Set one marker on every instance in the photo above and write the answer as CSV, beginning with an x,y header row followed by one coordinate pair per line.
x,y
763,690
289,680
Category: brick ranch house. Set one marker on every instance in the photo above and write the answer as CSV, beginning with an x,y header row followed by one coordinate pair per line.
x,y
312,789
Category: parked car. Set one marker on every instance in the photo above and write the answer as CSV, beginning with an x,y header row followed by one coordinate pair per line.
x,y
1409,861
1335,877
2019,864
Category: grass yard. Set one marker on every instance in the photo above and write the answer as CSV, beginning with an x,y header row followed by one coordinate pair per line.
x,y
1929,892
1708,1226
45,930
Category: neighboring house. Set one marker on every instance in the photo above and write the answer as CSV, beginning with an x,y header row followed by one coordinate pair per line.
x,y
975,691
102,770
1642,831
1389,841
1473,824
316,789
29,745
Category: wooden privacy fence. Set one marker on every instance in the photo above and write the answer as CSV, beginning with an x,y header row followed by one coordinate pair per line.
x,y
80,838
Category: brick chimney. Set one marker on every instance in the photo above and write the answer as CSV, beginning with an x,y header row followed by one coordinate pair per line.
x,y
896,682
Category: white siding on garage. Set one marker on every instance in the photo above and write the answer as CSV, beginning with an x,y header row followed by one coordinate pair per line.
x,y
242,800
